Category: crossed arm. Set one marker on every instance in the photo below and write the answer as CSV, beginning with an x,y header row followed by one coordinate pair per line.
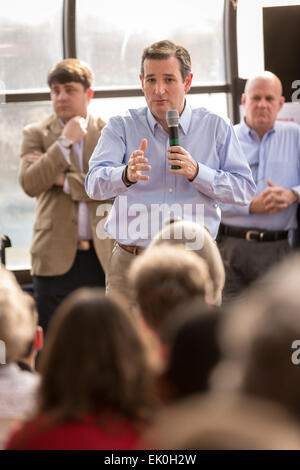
x,y
41,170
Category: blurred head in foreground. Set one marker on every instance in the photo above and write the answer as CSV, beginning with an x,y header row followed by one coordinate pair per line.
x,y
191,335
95,359
195,237
258,339
217,422
18,321
165,276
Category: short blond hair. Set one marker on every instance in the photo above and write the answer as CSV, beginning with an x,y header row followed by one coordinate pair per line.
x,y
165,276
18,317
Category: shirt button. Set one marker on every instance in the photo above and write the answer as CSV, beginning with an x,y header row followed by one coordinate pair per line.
x,y
170,190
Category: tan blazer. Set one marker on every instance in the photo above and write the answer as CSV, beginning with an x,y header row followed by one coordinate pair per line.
x,y
55,232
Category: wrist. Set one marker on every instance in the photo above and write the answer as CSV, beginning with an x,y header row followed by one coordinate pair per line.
x,y
295,196
196,173
125,179
65,141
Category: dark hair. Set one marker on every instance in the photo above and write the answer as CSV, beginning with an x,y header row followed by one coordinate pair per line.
x,y
192,337
95,358
71,70
163,50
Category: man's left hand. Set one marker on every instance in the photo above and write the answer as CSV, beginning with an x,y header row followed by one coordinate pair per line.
x,y
33,157
277,198
180,157
60,180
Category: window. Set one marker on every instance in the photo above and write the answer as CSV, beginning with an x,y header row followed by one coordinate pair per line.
x,y
111,37
16,209
30,41
250,34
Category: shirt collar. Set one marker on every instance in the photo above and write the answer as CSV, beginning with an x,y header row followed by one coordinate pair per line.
x,y
184,119
251,132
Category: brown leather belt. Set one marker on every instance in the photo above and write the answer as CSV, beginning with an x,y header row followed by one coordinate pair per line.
x,y
135,250
85,245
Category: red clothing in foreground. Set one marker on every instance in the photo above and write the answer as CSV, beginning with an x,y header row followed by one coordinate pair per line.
x,y
89,433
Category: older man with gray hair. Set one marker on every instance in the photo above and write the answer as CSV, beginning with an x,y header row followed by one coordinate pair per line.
x,y
254,237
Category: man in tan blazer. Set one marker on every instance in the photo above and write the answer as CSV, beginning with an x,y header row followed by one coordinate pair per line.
x,y
69,247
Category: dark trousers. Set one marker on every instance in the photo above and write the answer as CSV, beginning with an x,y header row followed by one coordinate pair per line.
x,y
245,262
49,291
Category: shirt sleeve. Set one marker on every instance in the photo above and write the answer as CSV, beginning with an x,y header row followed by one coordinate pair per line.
x,y
65,152
104,178
66,186
234,210
232,182
297,190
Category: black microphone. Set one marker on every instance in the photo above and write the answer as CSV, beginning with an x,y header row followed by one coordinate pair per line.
x,y
172,119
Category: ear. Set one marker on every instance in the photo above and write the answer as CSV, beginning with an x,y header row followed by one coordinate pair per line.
x,y
90,93
188,82
281,102
243,99
142,81
39,339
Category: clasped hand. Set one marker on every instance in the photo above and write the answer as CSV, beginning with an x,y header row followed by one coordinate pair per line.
x,y
273,199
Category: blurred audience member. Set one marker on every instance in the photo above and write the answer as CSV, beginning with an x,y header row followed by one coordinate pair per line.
x,y
27,360
165,276
258,339
96,379
18,334
197,238
217,422
191,338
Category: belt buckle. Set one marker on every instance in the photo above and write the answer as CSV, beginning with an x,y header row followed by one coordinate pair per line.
x,y
84,245
254,232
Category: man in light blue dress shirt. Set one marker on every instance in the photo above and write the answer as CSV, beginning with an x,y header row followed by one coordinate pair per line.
x,y
133,160
254,237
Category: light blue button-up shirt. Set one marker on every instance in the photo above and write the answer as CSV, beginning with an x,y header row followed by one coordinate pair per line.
x,y
139,211
276,158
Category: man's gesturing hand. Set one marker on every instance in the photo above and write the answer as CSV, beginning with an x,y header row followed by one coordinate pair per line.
x,y
136,164
180,157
